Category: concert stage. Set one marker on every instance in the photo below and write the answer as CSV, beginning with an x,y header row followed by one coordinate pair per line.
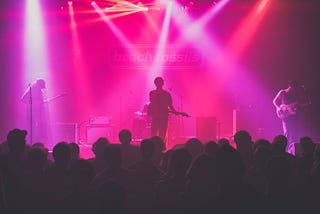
x,y
222,61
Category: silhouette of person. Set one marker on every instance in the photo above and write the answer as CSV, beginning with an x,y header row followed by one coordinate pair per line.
x,y
288,103
34,98
158,109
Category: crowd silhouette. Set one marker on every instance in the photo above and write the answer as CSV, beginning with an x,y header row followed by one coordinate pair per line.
x,y
196,177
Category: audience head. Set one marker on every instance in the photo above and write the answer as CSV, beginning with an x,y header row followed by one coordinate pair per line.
x,y
194,147
211,148
244,146
38,145
279,144
223,141
41,146
261,156
99,146
261,142
307,146
62,154
125,136
147,149
158,143
75,151
242,137
16,139
113,156
36,158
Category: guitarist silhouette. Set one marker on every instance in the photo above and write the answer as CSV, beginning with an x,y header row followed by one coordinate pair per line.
x,y
35,99
289,103
158,109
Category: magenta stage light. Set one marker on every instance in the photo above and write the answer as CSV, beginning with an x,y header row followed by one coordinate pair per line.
x,y
35,52
247,29
158,61
79,68
114,28
36,61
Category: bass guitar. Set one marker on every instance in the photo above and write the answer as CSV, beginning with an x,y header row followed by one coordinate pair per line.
x,y
180,113
287,110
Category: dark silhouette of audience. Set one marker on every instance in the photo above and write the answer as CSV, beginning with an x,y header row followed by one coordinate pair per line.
x,y
245,146
75,152
98,148
130,153
111,198
223,141
58,177
159,148
12,167
173,183
194,147
81,199
256,174
211,148
113,170
145,177
259,177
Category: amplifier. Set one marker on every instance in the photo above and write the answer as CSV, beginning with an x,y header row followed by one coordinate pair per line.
x,y
65,132
94,132
206,128
99,120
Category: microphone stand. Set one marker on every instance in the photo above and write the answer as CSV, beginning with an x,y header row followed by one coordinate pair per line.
x,y
31,114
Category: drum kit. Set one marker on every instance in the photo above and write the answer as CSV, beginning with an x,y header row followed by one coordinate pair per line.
x,y
141,125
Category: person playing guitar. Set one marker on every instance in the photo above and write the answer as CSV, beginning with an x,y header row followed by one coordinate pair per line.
x,y
35,99
159,108
289,103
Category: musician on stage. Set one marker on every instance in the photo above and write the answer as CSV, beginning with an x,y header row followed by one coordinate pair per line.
x,y
34,98
288,103
159,107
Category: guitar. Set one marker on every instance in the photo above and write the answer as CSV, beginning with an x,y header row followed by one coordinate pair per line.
x,y
150,111
55,97
180,113
286,110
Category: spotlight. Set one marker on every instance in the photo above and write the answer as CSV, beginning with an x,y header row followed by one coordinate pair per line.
x,y
69,3
93,3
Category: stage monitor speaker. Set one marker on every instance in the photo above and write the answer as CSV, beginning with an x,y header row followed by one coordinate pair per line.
x,y
94,132
65,132
206,128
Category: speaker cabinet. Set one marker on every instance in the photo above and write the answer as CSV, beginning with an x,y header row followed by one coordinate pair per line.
x,y
67,132
94,132
206,128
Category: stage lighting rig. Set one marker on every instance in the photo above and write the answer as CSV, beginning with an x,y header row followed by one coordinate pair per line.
x,y
197,4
